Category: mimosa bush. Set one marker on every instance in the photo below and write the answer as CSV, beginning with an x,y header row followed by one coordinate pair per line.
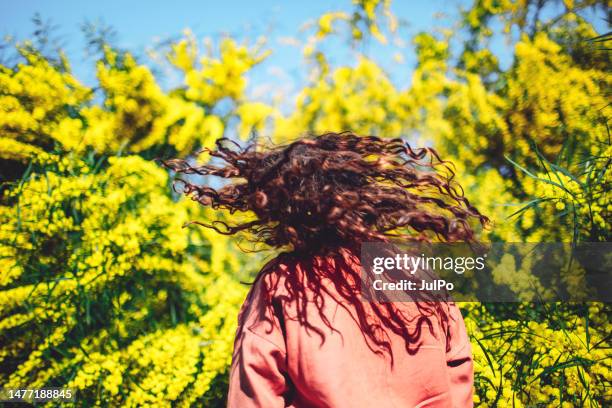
x,y
103,290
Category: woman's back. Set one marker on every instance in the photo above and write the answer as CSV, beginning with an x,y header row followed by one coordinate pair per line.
x,y
314,350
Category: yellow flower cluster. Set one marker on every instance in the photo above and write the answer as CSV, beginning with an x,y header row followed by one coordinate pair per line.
x,y
100,284
551,97
365,20
585,198
97,265
35,98
523,361
209,79
344,99
43,104
135,106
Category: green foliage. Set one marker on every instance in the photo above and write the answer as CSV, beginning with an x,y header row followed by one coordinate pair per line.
x,y
102,289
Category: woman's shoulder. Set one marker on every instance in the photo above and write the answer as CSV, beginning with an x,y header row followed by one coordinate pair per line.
x,y
291,277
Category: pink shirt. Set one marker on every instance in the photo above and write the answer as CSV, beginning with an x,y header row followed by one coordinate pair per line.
x,y
287,356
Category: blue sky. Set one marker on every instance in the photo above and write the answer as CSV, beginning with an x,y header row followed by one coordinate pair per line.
x,y
141,24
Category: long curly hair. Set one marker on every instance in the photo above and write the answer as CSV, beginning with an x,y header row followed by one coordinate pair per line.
x,y
320,198
336,188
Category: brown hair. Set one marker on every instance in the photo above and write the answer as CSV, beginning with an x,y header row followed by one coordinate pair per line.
x,y
335,189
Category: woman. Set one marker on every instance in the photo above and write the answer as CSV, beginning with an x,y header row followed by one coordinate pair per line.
x,y
305,337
